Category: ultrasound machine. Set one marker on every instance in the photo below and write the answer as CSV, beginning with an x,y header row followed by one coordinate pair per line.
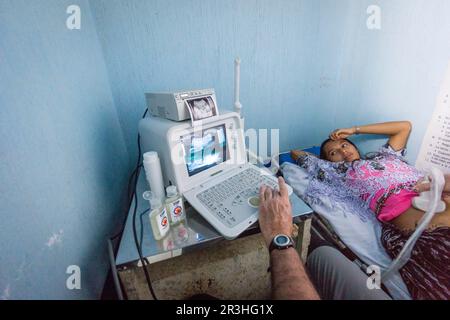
x,y
206,160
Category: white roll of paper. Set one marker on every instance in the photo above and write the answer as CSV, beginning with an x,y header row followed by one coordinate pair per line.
x,y
153,173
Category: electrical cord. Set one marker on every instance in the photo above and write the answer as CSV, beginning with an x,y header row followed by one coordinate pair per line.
x,y
142,226
116,280
130,193
130,198
138,246
143,260
135,177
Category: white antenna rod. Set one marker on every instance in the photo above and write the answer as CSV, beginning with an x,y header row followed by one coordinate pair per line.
x,y
237,79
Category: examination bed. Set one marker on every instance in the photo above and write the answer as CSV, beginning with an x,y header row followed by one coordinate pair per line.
x,y
358,240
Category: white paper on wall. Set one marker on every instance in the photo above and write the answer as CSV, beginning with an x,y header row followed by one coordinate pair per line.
x,y
435,149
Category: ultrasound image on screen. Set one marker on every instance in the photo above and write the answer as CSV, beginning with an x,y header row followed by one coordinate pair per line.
x,y
201,108
205,149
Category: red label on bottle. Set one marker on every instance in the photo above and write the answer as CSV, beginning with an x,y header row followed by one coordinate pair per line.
x,y
177,211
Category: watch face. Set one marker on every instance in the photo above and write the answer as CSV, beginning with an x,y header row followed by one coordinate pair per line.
x,y
281,240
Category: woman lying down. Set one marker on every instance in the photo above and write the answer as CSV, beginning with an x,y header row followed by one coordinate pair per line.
x,y
386,184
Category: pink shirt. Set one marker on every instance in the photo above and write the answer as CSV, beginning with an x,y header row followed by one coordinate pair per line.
x,y
385,182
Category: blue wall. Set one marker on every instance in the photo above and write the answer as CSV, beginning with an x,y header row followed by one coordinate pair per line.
x,y
63,160
379,75
172,45
308,66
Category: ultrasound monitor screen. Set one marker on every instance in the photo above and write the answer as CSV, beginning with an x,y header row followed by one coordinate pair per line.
x,y
205,149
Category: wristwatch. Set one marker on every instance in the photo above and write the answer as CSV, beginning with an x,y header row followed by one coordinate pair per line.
x,y
281,242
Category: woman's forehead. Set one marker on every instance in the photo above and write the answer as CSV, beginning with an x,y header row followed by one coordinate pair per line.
x,y
334,143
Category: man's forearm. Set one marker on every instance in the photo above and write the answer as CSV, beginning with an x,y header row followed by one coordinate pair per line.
x,y
289,278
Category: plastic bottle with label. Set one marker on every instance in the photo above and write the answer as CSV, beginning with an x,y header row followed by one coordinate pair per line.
x,y
158,216
175,206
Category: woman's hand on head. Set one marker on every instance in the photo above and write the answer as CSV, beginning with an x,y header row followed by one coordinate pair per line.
x,y
342,133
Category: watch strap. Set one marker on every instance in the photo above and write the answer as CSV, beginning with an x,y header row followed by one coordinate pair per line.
x,y
273,244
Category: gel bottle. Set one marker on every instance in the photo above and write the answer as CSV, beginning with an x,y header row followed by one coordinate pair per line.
x,y
175,206
159,219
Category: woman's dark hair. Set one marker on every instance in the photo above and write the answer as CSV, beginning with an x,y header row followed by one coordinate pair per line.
x,y
323,154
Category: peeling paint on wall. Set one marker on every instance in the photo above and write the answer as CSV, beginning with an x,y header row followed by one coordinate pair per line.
x,y
6,293
56,238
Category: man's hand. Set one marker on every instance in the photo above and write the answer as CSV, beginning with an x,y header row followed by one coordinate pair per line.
x,y
342,133
289,278
275,213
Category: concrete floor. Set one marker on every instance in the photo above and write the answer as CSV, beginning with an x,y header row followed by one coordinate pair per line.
x,y
228,270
